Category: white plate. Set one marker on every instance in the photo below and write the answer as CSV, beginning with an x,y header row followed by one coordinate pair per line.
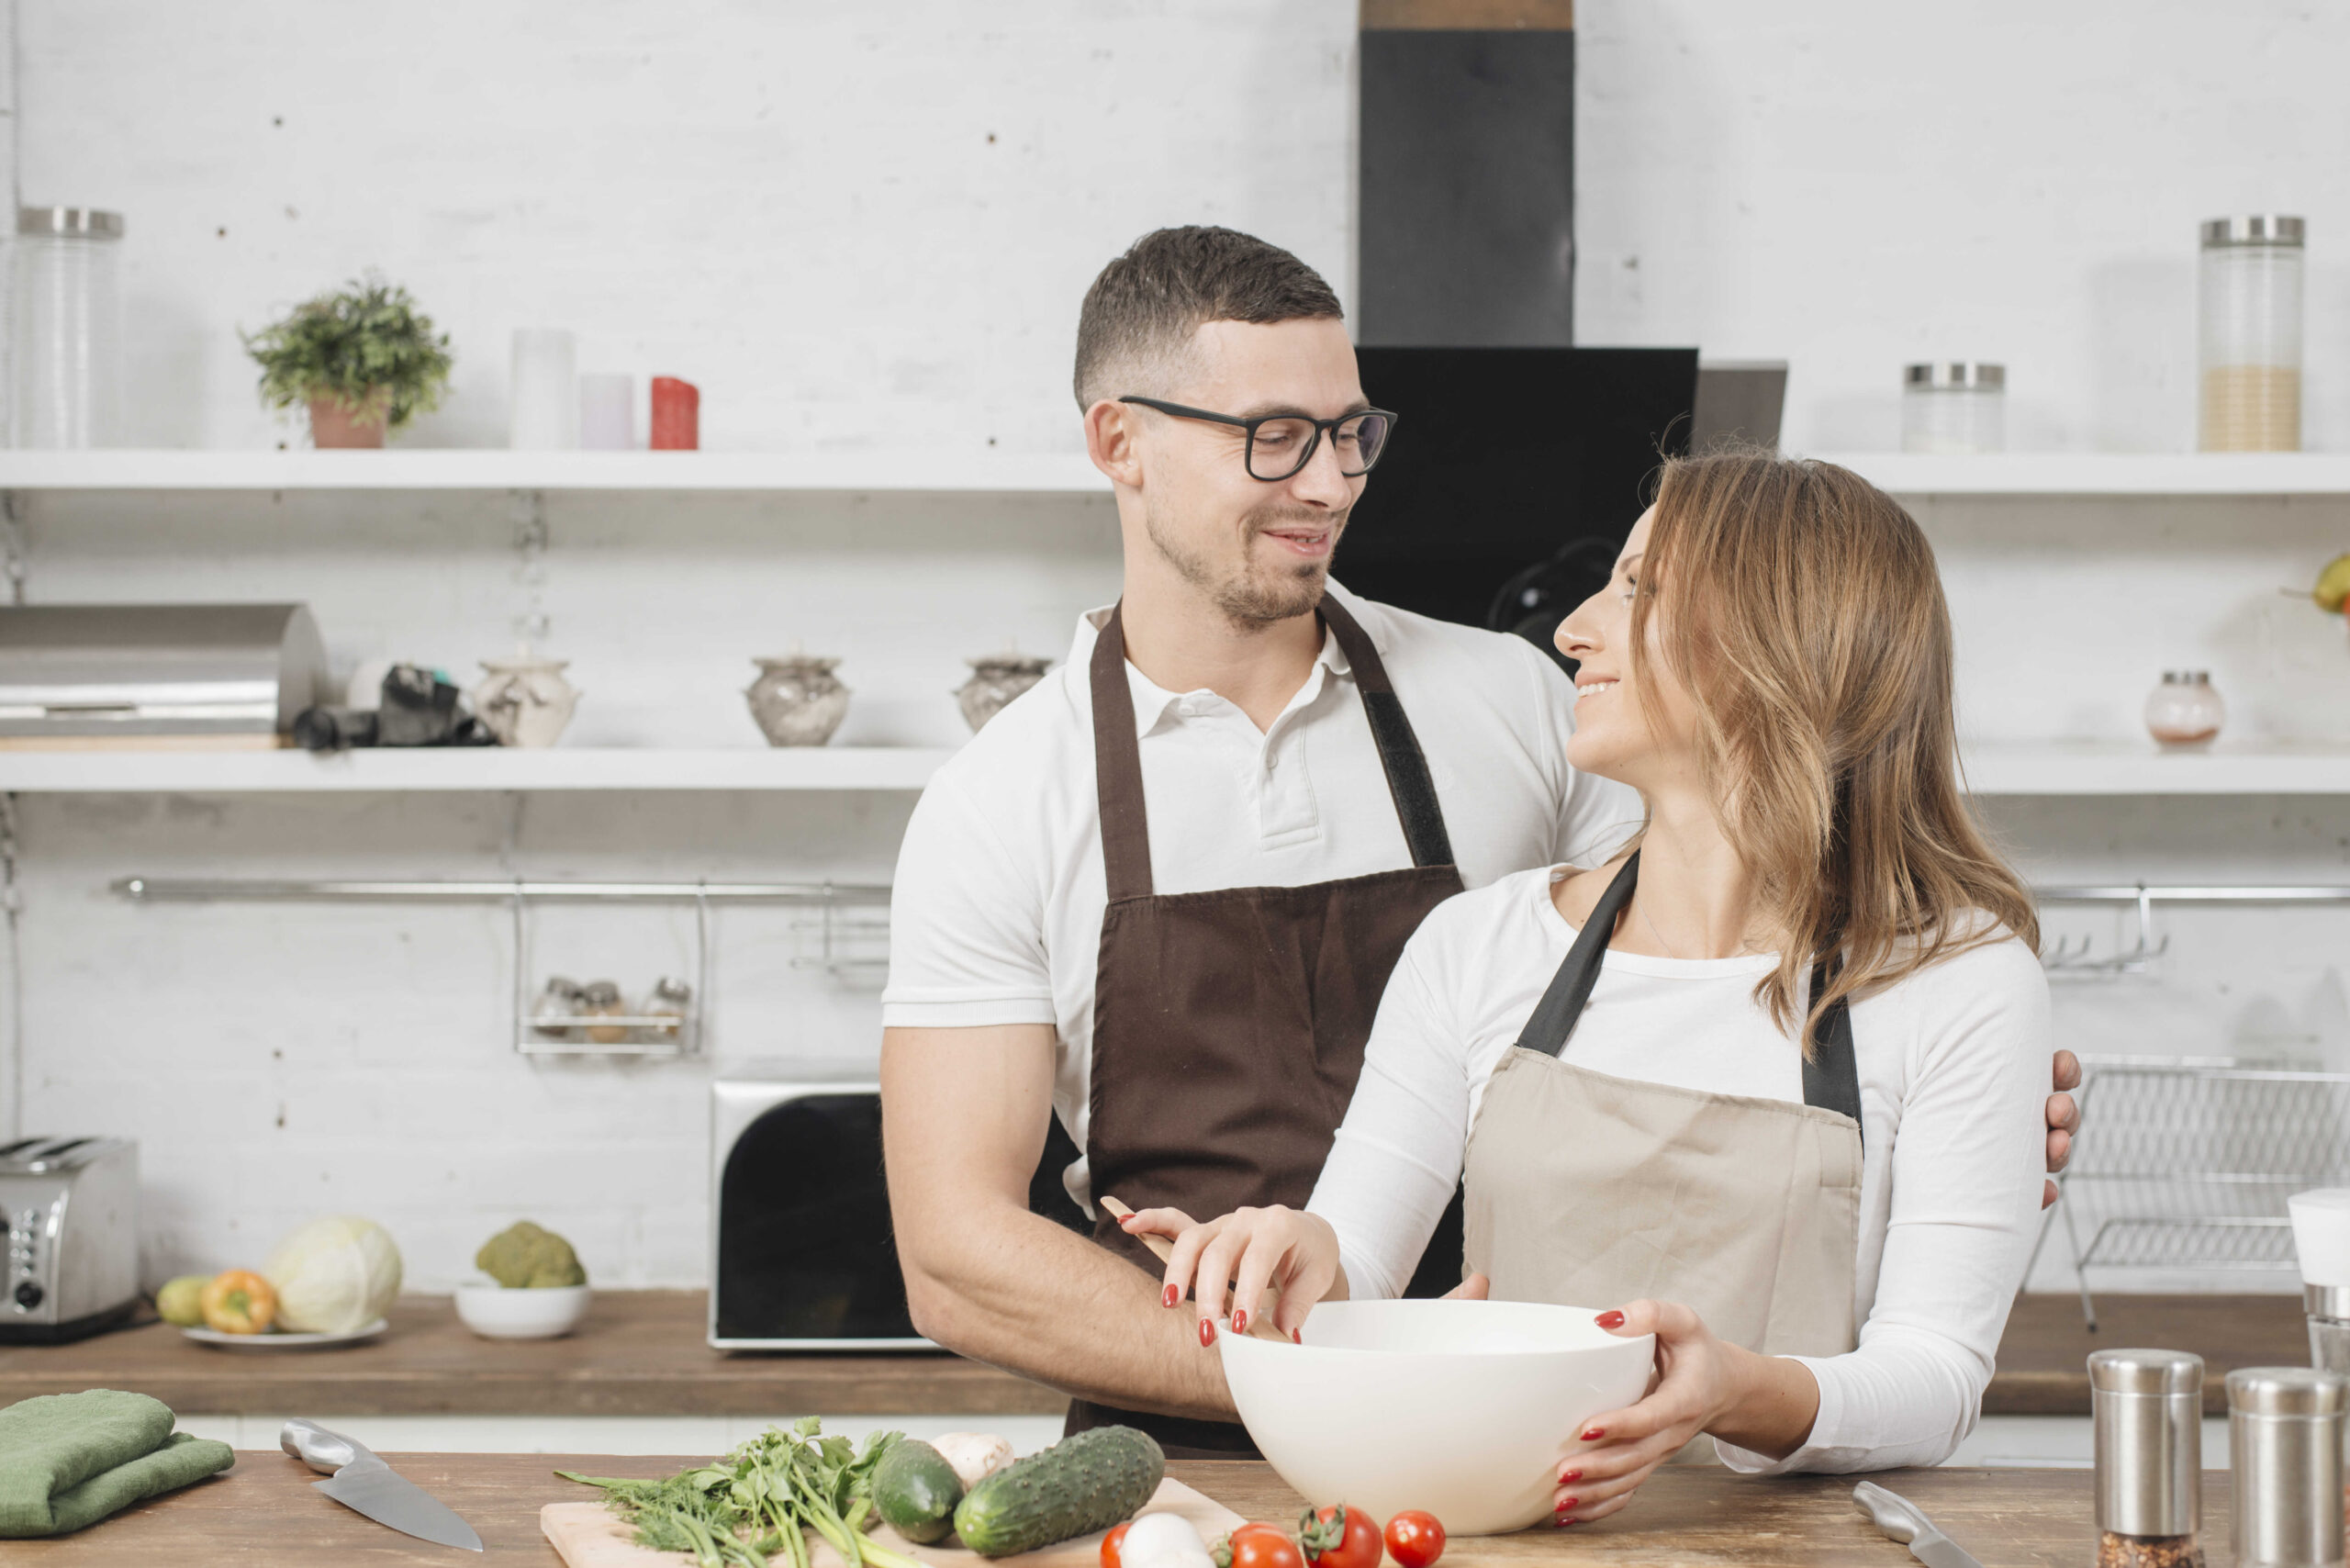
x,y
277,1341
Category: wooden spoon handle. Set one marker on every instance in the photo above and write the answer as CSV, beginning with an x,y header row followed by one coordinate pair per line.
x,y
1262,1327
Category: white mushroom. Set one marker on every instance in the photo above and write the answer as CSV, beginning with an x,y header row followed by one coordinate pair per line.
x,y
973,1456
1163,1540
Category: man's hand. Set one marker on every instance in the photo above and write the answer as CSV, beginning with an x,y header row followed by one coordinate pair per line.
x,y
2064,1120
963,1118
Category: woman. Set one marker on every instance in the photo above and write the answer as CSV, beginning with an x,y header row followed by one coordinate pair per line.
x,y
1771,1080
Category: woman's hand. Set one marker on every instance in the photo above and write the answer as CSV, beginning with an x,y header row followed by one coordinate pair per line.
x,y
1705,1385
1293,1250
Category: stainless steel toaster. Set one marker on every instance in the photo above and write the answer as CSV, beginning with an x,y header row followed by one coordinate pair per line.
x,y
70,1206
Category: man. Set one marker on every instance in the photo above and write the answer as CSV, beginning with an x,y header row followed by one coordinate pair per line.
x,y
1159,894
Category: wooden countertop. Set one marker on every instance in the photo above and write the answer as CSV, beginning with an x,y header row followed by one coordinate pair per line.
x,y
639,1353
642,1353
2044,1357
263,1511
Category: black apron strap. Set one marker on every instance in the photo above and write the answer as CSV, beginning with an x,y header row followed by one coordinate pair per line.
x,y
1831,1078
1117,767
1555,1016
1399,749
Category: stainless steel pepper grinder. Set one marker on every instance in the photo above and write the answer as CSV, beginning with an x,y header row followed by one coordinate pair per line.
x,y
2328,1307
2285,1432
2147,1410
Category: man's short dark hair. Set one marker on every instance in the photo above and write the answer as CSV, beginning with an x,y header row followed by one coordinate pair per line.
x,y
1141,312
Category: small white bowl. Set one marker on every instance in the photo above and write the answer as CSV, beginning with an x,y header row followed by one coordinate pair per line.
x,y
494,1312
1464,1408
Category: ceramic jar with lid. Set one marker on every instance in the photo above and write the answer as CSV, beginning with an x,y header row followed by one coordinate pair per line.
x,y
1954,408
995,680
524,700
2185,711
798,700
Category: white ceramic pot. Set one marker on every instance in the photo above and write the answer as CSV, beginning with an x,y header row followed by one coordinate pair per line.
x,y
798,700
995,681
1464,1408
494,1312
525,702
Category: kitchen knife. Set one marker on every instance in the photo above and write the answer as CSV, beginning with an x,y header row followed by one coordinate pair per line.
x,y
365,1484
1901,1519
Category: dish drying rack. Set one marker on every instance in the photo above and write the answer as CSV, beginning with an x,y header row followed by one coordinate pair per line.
x,y
647,1034
2185,1162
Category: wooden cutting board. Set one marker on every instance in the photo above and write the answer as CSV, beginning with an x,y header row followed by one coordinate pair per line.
x,y
588,1535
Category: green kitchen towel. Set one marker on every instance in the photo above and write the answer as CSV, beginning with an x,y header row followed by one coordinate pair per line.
x,y
69,1460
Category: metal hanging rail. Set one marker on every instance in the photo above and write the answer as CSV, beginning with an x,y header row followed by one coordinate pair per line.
x,y
184,889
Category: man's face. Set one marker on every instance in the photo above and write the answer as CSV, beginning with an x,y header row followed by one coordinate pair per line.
x,y
1260,550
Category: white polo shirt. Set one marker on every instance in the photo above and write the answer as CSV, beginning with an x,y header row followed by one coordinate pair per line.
x,y
996,915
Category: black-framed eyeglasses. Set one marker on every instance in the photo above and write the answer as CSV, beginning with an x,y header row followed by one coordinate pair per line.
x,y
1282,444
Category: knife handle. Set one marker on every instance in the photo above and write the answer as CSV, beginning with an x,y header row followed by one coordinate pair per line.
x,y
1892,1513
314,1446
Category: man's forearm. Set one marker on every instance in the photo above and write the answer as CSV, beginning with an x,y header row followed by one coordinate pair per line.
x,y
1019,1291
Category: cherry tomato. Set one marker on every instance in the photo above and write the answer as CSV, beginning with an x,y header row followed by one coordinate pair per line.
x,y
1414,1538
1340,1538
1264,1546
1111,1542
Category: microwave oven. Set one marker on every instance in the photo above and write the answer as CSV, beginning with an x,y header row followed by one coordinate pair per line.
x,y
801,1253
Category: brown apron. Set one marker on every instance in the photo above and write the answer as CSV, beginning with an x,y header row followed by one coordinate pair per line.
x,y
1228,1025
1588,1190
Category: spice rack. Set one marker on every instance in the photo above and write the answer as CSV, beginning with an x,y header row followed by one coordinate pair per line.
x,y
670,1036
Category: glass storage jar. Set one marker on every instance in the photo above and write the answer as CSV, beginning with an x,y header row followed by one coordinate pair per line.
x,y
67,316
2185,710
2249,306
1958,406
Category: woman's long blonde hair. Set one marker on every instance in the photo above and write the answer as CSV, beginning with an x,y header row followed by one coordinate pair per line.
x,y
1801,609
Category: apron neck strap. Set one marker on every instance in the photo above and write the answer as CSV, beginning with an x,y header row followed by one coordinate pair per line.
x,y
1117,755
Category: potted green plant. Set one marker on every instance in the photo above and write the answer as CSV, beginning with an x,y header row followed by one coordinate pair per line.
x,y
365,359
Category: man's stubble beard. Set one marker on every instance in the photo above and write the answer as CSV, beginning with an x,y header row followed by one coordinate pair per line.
x,y
1249,599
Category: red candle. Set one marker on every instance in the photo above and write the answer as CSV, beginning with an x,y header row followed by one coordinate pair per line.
x,y
676,415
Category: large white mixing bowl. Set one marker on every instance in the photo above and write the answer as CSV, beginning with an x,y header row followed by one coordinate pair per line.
x,y
1464,1408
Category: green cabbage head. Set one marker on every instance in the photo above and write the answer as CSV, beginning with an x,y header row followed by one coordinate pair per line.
x,y
334,1274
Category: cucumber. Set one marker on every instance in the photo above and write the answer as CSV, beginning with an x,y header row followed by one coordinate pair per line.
x,y
915,1490
1083,1484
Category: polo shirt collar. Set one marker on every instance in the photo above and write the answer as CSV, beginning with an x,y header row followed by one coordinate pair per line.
x,y
1153,701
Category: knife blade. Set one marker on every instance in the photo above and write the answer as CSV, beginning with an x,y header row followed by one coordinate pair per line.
x,y
362,1482
1904,1521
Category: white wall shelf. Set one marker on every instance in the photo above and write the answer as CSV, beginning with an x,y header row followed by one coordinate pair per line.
x,y
2103,474
492,469
903,769
2123,768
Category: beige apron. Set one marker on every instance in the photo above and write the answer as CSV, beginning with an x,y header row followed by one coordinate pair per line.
x,y
1587,1190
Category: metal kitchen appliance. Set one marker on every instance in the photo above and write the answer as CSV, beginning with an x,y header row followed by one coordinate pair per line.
x,y
70,1206
799,1211
76,675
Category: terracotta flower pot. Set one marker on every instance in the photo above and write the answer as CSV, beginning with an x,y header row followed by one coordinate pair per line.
x,y
332,425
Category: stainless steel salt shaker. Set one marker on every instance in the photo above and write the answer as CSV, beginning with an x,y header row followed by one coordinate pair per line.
x,y
2285,1430
2147,1410
2328,1307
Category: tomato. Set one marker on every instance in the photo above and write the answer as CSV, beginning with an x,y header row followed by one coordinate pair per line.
x,y
1260,1546
237,1302
1340,1538
1414,1538
1111,1542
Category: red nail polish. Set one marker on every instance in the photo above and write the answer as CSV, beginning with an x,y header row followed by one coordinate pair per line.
x,y
1295,1338
1568,1505
1568,1478
1239,1322
1610,1320
1207,1331
1170,1296
1595,1434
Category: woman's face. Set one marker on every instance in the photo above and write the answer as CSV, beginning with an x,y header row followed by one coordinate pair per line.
x,y
1643,737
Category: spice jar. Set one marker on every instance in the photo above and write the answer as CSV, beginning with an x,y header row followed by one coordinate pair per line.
x,y
557,1006
2147,1410
1959,407
2285,1428
2249,308
667,1004
2184,712
601,999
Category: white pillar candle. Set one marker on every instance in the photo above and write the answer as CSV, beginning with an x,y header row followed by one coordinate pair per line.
x,y
546,409
608,413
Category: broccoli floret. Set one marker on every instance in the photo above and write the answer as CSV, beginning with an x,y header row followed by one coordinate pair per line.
x,y
523,1256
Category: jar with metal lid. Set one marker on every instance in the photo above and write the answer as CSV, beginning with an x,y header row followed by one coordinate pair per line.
x,y
2185,710
2285,1432
1958,406
601,999
2146,1407
67,383
2249,309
